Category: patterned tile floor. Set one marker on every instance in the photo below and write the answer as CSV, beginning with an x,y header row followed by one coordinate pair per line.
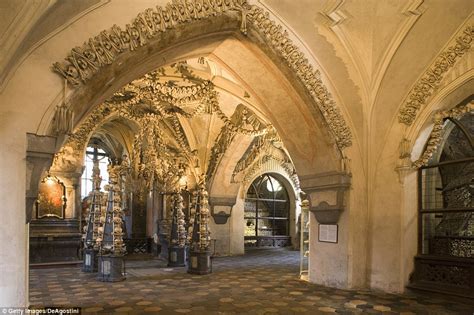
x,y
261,282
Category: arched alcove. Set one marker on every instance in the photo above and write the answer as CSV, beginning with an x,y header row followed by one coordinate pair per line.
x,y
269,212
445,210
274,97
396,187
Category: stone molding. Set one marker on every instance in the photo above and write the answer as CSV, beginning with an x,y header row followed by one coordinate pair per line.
x,y
325,181
221,217
84,62
335,183
39,157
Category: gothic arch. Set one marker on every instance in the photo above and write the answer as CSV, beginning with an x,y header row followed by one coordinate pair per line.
x,y
71,154
400,183
146,41
293,195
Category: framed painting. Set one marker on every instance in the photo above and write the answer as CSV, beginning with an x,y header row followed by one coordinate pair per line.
x,y
51,202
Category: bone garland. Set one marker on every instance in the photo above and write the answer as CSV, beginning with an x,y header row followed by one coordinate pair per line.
x,y
259,145
83,62
178,236
204,234
431,79
153,160
241,120
199,232
249,173
193,223
77,140
180,136
437,132
222,143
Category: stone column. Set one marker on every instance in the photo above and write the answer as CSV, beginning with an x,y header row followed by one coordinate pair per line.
x,y
221,225
328,262
16,210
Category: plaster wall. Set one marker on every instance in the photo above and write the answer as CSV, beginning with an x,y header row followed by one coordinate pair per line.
x,y
222,233
237,228
356,203
386,226
14,231
328,262
409,241
341,264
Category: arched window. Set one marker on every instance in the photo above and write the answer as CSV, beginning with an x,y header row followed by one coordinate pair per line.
x,y
445,259
94,152
266,213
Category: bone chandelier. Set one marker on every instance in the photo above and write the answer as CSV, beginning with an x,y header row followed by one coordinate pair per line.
x,y
157,102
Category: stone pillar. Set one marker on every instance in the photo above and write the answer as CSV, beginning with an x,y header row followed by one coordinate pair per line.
x,y
220,225
39,156
15,209
329,262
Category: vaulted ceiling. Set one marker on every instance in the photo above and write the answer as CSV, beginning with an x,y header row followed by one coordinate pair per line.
x,y
191,112
370,52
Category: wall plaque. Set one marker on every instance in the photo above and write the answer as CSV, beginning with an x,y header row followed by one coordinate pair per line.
x,y
328,233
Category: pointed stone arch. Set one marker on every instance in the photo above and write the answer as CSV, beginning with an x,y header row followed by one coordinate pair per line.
x,y
105,57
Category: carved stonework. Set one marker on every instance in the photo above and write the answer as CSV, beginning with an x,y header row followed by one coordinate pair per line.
x,y
83,62
431,79
326,213
437,132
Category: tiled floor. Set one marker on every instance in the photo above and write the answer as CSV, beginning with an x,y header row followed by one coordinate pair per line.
x,y
261,282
